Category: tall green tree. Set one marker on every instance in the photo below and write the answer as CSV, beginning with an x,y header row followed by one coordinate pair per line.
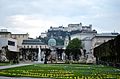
x,y
73,48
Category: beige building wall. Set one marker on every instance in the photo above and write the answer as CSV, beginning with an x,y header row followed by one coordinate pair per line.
x,y
96,41
5,34
20,38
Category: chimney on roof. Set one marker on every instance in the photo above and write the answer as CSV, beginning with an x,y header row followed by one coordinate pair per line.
x,y
3,30
80,23
90,25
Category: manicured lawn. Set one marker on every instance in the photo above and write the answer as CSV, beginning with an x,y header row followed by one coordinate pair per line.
x,y
4,64
63,71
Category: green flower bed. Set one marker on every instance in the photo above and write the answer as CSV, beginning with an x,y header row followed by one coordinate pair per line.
x,y
63,71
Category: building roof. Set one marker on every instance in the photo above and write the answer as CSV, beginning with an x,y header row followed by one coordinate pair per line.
x,y
4,32
107,34
21,34
87,39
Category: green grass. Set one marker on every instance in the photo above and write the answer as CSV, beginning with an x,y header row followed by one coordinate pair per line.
x,y
63,71
4,64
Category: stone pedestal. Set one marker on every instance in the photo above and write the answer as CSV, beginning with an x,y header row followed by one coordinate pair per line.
x,y
90,58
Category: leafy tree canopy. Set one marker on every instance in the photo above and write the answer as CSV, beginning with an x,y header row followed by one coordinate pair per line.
x,y
74,44
73,48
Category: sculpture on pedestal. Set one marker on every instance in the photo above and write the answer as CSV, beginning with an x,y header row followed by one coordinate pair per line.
x,y
3,54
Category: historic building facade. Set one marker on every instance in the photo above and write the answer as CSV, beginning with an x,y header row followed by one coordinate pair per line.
x,y
10,43
32,49
19,37
90,39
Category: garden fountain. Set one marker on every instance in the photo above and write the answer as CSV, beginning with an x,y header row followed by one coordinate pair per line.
x,y
39,55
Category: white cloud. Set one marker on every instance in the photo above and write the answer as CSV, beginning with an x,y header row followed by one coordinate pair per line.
x,y
28,23
33,24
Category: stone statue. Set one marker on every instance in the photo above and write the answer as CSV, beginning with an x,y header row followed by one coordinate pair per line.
x,y
3,54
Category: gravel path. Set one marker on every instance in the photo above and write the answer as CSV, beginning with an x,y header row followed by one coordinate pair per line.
x,y
18,65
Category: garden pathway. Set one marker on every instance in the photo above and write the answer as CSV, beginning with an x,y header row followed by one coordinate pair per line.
x,y
21,64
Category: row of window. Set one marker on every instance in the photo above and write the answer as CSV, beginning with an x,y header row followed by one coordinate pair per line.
x,y
31,46
14,36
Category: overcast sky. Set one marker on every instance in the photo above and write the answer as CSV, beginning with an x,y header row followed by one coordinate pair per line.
x,y
36,16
